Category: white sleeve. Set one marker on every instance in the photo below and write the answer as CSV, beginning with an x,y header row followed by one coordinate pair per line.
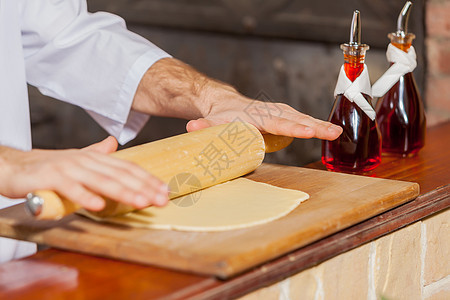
x,y
90,60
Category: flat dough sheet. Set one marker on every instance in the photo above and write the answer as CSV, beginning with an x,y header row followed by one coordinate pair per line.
x,y
238,203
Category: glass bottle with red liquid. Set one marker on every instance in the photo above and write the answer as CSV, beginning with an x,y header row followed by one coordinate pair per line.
x,y
400,112
358,149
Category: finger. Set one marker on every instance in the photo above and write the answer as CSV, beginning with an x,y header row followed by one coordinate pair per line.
x,y
113,189
109,145
286,127
76,193
198,124
127,173
323,130
328,131
106,146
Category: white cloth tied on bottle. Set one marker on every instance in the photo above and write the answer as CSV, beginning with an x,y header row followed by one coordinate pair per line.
x,y
353,90
404,62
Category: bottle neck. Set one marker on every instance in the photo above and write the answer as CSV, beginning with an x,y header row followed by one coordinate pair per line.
x,y
354,55
353,66
403,47
401,41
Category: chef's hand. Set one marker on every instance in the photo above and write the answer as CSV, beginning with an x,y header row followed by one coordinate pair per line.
x,y
82,176
268,117
173,89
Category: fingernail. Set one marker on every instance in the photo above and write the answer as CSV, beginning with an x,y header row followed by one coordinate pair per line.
x,y
164,189
98,203
334,128
160,199
141,200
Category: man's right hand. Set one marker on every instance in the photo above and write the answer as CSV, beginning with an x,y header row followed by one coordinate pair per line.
x,y
82,176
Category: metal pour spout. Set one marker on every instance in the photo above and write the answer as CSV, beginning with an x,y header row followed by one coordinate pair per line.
x,y
354,46
355,29
402,36
403,17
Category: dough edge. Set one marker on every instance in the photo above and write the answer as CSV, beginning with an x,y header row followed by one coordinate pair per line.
x,y
138,224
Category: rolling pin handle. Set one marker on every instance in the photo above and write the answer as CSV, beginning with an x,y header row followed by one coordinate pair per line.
x,y
34,204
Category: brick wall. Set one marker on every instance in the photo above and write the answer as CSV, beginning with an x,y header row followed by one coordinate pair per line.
x,y
409,264
437,95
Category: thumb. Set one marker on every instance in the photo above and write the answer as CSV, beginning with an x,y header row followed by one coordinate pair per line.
x,y
198,124
106,146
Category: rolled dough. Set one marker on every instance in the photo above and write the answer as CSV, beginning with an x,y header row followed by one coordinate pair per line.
x,y
238,203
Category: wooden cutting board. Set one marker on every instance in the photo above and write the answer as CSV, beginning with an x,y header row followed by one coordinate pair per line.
x,y
336,201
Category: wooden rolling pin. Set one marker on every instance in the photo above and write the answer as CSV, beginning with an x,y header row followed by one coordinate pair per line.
x,y
207,157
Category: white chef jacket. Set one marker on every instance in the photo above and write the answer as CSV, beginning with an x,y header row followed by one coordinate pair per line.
x,y
90,60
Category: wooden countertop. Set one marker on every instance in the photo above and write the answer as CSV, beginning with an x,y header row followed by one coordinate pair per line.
x,y
56,274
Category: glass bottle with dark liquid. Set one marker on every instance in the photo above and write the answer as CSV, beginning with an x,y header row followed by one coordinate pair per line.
x,y
358,149
400,112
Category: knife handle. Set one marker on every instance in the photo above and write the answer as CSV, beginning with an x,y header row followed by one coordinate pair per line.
x,y
55,206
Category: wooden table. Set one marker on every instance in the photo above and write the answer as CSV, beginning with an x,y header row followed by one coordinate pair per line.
x,y
56,274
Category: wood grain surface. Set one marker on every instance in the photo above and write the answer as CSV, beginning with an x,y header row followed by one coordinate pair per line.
x,y
337,201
